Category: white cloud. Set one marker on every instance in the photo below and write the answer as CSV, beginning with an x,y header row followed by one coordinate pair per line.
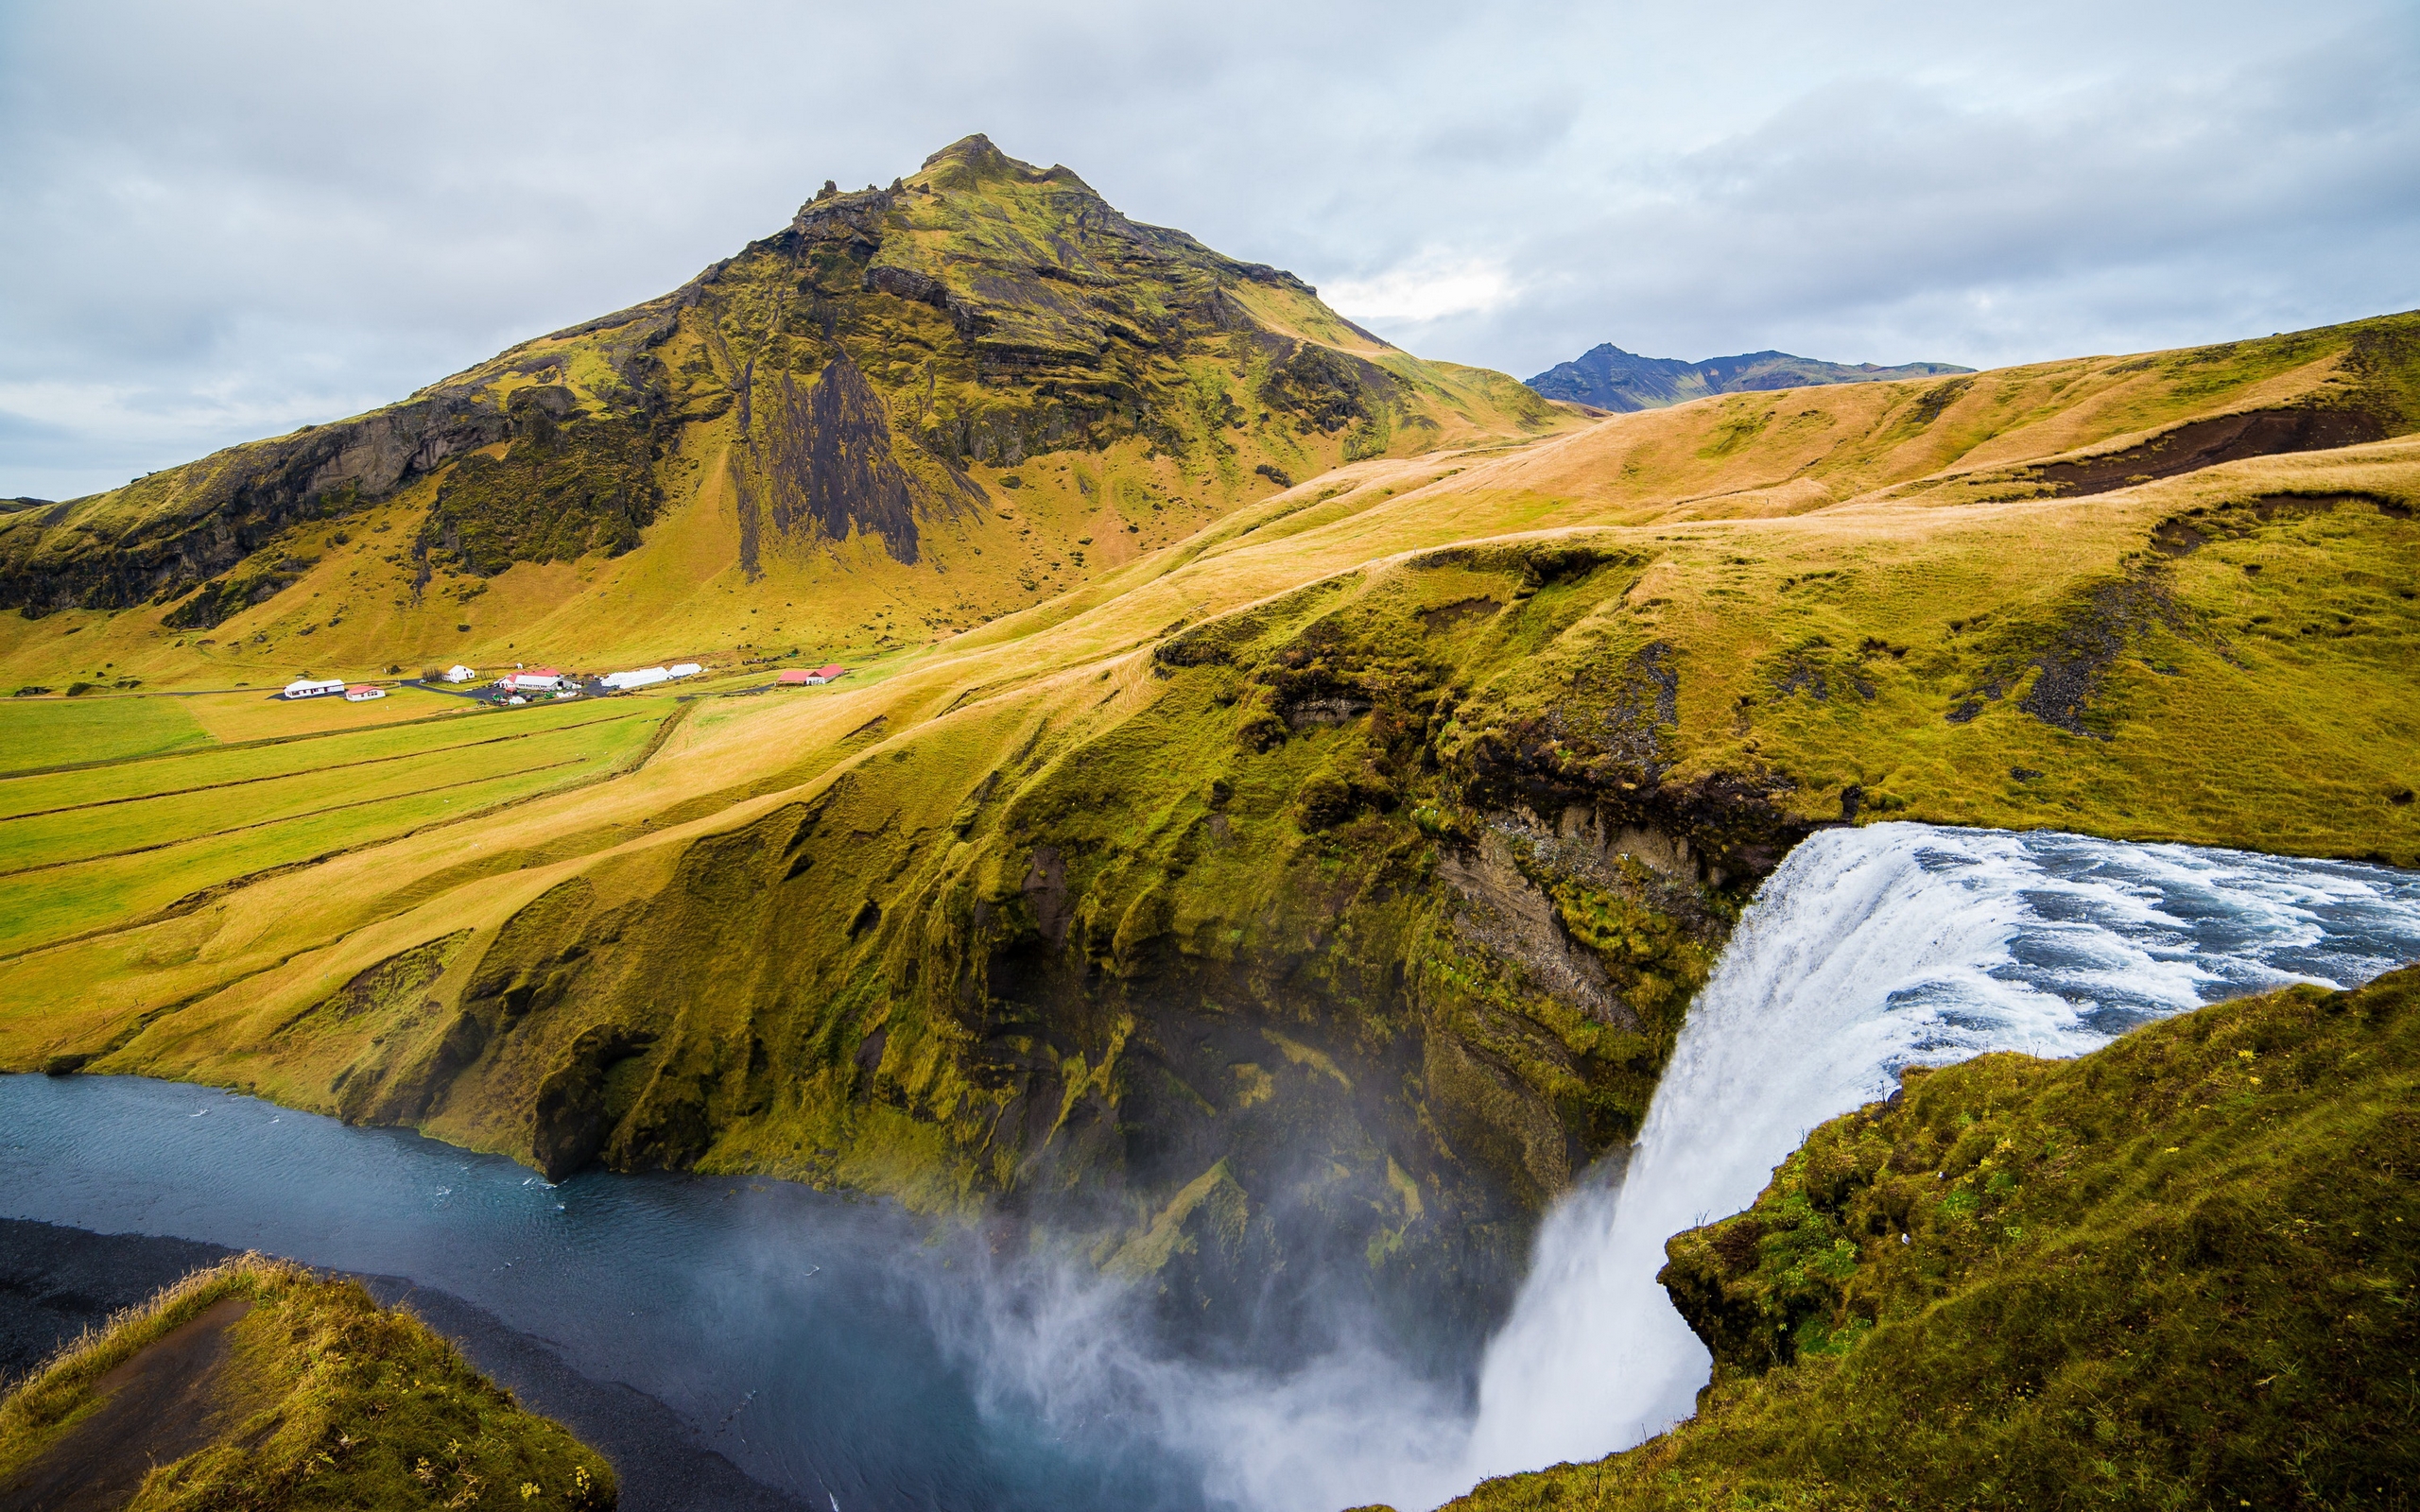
x,y
227,210
1428,289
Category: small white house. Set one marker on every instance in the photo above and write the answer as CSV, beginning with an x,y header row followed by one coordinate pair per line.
x,y
363,695
458,673
642,677
313,687
685,669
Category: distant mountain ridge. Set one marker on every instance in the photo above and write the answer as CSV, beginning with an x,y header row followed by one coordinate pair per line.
x,y
1607,377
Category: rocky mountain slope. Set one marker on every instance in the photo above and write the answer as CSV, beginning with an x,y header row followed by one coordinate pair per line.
x,y
1317,893
2175,1272
1606,377
911,410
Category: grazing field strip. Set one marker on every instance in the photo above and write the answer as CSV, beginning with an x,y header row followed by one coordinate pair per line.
x,y
109,830
207,746
289,819
46,907
24,795
333,766
49,732
20,731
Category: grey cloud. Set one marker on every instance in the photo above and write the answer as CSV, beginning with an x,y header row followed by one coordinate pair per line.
x,y
235,221
1882,220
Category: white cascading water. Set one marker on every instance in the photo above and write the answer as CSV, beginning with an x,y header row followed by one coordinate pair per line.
x,y
1868,951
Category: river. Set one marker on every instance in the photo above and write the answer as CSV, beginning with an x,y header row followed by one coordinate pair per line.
x,y
853,1356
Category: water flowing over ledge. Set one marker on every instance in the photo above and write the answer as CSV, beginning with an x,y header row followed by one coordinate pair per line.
x,y
1869,951
856,1358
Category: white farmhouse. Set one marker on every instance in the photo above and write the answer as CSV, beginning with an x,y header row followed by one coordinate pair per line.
x,y
458,673
313,687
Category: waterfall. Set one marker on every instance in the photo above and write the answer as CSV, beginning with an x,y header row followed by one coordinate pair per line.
x,y
1868,951
884,1362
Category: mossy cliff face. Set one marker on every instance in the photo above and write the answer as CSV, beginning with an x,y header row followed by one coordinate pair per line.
x,y
1323,891
2174,1273
1255,975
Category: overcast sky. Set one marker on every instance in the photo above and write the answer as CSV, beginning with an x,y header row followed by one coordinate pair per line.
x,y
224,221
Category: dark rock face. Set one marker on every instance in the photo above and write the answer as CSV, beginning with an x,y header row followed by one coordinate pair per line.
x,y
1606,377
574,1114
829,448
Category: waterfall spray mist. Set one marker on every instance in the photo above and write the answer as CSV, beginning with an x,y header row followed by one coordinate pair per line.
x,y
855,1355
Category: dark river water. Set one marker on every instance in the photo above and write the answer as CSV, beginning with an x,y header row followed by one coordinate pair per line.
x,y
854,1356
806,1337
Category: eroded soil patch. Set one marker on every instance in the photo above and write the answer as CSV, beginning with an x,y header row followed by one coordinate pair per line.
x,y
156,1408
2206,443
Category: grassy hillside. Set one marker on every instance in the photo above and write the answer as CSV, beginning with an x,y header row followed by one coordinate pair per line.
x,y
1327,884
910,411
258,1384
2174,1273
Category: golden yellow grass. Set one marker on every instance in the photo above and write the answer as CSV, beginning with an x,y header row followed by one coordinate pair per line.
x,y
2270,710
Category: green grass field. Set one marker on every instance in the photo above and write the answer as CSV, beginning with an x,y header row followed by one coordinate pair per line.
x,y
126,839
39,732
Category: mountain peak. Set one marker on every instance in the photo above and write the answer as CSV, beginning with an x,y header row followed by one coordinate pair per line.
x,y
974,150
847,377
973,161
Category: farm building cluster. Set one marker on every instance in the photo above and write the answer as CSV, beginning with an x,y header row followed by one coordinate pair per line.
x,y
333,687
524,684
